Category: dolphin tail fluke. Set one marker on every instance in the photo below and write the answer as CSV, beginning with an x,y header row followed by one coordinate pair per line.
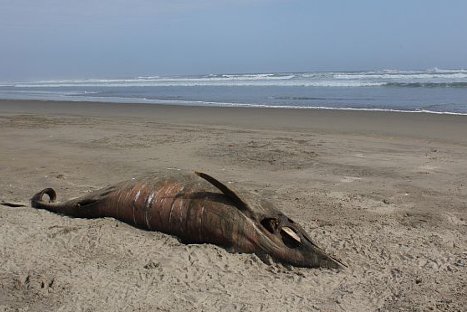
x,y
38,202
68,208
83,207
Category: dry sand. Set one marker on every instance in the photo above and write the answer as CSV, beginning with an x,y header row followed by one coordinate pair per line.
x,y
385,192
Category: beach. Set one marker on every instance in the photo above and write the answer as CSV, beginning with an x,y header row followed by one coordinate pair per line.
x,y
385,192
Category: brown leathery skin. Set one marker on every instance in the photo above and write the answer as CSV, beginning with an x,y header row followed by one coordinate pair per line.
x,y
197,208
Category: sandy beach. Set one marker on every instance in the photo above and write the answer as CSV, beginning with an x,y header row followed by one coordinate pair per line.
x,y
385,192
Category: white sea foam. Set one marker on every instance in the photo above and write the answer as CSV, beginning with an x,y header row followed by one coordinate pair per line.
x,y
276,81
319,79
413,76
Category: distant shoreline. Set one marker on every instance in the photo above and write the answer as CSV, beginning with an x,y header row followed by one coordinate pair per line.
x,y
234,105
447,127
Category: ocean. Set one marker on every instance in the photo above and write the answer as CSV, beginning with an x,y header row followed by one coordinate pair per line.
x,y
432,91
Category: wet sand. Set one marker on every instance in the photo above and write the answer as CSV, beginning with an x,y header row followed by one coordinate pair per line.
x,y
384,192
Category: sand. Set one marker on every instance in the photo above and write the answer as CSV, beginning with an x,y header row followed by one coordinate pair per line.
x,y
384,192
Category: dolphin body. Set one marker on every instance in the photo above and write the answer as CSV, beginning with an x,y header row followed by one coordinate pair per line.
x,y
197,208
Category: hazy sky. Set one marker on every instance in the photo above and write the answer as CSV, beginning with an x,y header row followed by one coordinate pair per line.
x,y
43,39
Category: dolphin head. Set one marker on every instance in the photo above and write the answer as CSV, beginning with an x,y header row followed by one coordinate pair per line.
x,y
287,242
275,234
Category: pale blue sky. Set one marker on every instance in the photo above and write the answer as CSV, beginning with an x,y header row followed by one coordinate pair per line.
x,y
46,39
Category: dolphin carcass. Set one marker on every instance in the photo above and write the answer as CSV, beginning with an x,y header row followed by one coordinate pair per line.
x,y
197,208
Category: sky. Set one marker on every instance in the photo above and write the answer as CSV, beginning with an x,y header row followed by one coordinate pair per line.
x,y
65,39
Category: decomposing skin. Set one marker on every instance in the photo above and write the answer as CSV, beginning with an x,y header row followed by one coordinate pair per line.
x,y
198,209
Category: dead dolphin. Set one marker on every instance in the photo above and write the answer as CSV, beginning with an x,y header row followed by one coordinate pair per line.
x,y
197,208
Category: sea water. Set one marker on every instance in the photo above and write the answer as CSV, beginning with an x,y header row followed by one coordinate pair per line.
x,y
434,91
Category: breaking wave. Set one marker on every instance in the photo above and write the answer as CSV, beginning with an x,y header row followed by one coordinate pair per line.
x,y
392,78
